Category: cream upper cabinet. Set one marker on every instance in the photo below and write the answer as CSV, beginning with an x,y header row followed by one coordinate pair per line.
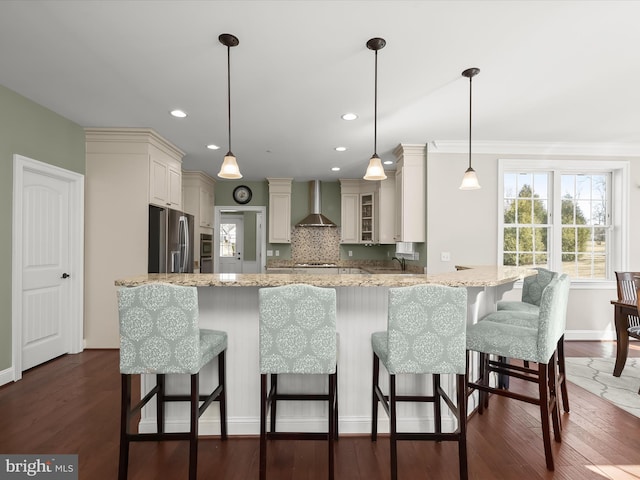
x,y
349,217
359,211
198,190
410,194
279,210
165,180
386,211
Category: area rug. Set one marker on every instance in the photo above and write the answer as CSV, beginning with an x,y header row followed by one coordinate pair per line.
x,y
596,376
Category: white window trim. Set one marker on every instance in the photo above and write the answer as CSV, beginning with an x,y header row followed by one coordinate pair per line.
x,y
619,209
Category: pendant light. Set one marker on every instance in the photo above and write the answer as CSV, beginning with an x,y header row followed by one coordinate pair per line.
x,y
470,180
229,167
375,171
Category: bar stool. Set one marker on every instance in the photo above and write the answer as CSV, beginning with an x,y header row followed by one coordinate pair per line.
x,y
159,334
526,313
425,335
533,344
297,336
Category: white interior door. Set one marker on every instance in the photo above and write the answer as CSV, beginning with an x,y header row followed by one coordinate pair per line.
x,y
45,298
231,243
47,262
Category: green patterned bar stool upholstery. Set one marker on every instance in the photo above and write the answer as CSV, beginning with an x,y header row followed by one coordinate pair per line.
x,y
529,341
532,288
159,335
526,313
297,336
425,335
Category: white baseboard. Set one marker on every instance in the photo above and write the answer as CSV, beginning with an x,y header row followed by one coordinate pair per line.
x,y
590,335
6,376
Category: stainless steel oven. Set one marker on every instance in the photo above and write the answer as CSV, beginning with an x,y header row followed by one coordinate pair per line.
x,y
206,253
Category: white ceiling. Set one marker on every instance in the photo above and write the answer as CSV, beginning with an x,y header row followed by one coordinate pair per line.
x,y
551,71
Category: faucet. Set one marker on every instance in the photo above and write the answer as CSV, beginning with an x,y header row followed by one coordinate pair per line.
x,y
402,262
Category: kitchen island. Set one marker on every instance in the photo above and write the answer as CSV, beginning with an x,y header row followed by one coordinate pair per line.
x,y
229,302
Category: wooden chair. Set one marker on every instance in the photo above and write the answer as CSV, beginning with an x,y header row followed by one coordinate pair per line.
x,y
426,335
297,336
636,330
627,321
159,335
539,345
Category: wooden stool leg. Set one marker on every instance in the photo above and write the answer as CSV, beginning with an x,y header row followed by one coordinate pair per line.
x,y
223,395
544,412
374,401
462,425
332,421
553,398
335,413
193,441
263,427
125,406
437,410
392,426
160,380
563,375
274,401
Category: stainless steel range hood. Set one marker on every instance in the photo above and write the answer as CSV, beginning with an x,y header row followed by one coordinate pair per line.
x,y
315,218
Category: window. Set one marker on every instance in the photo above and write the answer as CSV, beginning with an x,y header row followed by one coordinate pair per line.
x,y
228,245
566,216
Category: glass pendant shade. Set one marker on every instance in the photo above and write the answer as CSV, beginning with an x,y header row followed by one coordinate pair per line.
x,y
229,167
375,171
470,180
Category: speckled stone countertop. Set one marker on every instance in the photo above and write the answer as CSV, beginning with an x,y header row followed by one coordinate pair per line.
x,y
474,276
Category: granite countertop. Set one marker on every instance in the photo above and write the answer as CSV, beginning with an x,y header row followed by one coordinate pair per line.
x,y
475,276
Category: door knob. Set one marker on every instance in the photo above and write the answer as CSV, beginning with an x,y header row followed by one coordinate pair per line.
x,y
65,275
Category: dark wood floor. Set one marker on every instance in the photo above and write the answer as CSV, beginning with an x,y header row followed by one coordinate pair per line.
x,y
71,405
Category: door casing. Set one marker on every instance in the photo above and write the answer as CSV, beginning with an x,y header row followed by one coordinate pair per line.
x,y
261,239
76,260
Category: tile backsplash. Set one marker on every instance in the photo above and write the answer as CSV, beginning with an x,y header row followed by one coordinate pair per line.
x,y
315,244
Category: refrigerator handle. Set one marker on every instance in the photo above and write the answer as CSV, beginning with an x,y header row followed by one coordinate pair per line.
x,y
184,243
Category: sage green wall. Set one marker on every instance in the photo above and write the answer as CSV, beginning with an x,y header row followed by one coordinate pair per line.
x,y
250,236
33,131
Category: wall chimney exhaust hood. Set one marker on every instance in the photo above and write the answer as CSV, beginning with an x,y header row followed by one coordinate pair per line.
x,y
315,218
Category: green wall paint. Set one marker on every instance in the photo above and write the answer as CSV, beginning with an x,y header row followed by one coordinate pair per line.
x,y
250,236
33,131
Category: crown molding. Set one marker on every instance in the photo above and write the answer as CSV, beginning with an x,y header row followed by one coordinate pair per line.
x,y
536,148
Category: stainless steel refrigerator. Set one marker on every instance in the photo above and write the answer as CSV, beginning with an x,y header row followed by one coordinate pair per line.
x,y
170,241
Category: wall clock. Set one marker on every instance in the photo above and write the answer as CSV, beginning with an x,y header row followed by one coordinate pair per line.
x,y
242,194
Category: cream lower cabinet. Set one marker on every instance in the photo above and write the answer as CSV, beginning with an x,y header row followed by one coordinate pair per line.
x,y
279,210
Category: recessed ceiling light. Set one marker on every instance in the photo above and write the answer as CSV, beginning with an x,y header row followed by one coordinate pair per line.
x,y
213,147
388,162
335,169
178,113
340,149
349,116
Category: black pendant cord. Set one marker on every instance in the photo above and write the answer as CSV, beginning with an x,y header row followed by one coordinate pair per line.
x,y
229,95
470,93
375,110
